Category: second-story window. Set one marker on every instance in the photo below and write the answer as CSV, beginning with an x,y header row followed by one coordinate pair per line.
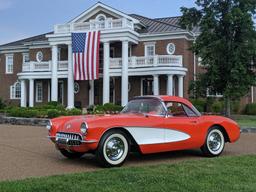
x,y
9,64
149,49
25,57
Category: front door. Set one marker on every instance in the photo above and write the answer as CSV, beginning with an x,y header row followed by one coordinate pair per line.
x,y
147,86
61,92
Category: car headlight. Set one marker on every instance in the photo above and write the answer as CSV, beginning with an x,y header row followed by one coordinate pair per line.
x,y
49,125
84,128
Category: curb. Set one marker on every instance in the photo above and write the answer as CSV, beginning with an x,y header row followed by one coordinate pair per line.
x,y
248,130
23,121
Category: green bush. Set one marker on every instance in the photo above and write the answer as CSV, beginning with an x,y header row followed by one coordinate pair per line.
x,y
250,109
2,105
217,107
200,104
23,112
112,107
74,111
52,113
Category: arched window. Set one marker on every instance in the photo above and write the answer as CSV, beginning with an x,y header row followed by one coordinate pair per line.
x,y
101,17
15,90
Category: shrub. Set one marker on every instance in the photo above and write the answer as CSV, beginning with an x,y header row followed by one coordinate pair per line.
x,y
112,107
74,111
52,113
2,105
250,109
200,104
23,112
217,107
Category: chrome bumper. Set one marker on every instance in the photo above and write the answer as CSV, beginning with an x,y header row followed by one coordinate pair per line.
x,y
70,141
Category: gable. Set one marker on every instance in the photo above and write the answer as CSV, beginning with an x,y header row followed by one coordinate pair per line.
x,y
108,11
100,12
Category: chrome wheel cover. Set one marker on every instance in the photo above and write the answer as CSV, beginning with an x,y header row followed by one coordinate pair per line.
x,y
115,148
215,141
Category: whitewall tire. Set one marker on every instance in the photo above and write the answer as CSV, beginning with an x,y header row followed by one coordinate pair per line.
x,y
214,143
113,149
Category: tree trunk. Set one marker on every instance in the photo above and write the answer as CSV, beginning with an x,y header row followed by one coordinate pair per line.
x,y
227,107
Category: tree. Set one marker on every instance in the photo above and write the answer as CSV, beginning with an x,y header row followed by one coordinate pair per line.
x,y
226,44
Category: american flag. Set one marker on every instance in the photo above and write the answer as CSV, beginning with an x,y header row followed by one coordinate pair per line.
x,y
85,48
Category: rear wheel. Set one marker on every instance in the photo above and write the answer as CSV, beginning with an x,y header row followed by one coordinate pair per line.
x,y
71,155
214,143
113,149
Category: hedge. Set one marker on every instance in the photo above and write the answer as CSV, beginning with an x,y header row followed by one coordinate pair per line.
x,y
250,109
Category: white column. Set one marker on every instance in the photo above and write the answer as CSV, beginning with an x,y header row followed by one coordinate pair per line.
x,y
125,78
170,85
31,93
181,85
71,98
106,83
156,84
91,92
23,99
54,86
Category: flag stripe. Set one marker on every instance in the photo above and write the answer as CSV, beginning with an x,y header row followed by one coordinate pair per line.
x,y
92,55
85,48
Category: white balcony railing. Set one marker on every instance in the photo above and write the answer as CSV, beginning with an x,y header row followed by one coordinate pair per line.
x,y
153,61
108,24
134,62
34,66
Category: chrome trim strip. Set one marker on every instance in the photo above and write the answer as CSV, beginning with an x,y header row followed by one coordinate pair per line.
x,y
82,141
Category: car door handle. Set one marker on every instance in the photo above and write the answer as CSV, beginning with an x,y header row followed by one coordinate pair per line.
x,y
193,121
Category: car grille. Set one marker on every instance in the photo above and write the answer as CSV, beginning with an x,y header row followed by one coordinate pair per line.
x,y
71,139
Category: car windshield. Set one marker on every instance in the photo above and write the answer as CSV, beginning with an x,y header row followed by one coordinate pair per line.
x,y
145,106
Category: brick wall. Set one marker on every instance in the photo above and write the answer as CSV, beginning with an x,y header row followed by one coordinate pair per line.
x,y
7,80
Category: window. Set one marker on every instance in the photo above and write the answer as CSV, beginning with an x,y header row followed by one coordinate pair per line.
x,y
26,57
180,110
149,49
39,56
39,92
9,64
211,93
170,48
15,91
145,106
101,17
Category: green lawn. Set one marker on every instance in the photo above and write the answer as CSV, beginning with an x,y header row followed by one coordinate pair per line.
x,y
217,174
245,120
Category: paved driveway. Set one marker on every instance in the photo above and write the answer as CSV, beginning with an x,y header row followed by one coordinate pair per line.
x,y
26,152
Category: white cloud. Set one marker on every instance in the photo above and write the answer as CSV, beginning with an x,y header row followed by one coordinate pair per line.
x,y
5,4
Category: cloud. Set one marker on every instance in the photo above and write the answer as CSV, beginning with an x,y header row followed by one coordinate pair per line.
x,y
5,4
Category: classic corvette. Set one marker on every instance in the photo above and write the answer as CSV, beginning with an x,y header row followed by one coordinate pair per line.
x,y
148,124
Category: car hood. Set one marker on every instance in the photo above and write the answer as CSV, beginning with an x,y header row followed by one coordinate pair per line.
x,y
73,123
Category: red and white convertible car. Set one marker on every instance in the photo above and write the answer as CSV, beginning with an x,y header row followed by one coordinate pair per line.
x,y
149,124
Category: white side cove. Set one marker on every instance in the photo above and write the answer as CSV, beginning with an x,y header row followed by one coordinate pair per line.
x,y
148,135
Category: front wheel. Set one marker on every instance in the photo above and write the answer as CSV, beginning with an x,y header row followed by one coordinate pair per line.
x,y
214,143
71,155
113,149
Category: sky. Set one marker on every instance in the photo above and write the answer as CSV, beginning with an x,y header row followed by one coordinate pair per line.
x,y
25,18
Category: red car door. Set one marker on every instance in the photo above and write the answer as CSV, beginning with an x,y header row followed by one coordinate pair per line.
x,y
181,127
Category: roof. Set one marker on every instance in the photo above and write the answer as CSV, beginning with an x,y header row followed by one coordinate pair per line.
x,y
165,98
21,42
160,25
